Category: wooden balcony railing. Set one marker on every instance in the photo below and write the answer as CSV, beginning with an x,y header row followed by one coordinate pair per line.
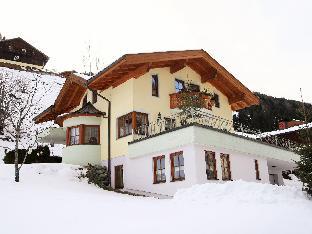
x,y
176,99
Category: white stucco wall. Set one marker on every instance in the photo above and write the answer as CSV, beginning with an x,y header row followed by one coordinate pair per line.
x,y
193,141
139,170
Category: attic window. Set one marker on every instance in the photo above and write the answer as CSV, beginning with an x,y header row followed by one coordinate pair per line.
x,y
24,51
216,100
155,86
179,85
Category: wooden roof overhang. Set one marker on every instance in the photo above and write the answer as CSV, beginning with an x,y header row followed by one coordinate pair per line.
x,y
69,97
135,65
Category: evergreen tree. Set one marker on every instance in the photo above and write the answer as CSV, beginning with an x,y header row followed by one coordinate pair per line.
x,y
304,166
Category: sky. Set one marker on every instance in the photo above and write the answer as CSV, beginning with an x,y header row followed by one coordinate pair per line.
x,y
266,44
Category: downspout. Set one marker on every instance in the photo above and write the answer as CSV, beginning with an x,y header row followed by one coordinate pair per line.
x,y
108,134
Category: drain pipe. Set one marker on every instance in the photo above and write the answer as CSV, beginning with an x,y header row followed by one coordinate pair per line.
x,y
108,135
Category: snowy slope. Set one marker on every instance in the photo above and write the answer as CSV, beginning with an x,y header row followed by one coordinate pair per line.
x,y
53,81
50,199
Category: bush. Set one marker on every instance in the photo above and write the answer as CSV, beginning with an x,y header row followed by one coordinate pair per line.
x,y
39,155
97,175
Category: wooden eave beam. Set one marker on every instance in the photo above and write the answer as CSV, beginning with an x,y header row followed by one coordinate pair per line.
x,y
139,71
236,99
175,67
161,56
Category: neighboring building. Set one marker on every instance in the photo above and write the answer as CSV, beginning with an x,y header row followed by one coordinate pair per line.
x,y
18,54
155,148
289,132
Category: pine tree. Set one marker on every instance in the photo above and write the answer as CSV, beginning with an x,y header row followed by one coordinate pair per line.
x,y
304,166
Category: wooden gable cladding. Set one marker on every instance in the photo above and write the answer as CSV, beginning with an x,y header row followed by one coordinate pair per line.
x,y
69,97
135,65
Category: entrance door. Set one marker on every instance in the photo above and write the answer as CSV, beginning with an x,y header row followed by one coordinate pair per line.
x,y
119,177
273,179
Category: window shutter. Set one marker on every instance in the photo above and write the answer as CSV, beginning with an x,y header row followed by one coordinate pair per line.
x,y
229,165
81,134
215,166
67,136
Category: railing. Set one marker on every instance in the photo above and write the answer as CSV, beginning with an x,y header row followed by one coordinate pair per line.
x,y
203,118
182,119
176,99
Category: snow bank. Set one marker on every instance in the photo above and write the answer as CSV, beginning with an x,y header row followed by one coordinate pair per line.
x,y
240,191
51,199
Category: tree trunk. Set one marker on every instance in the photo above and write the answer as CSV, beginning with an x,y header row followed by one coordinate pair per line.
x,y
16,160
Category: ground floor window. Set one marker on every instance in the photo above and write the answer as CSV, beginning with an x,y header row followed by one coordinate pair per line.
x,y
226,167
83,135
257,170
74,136
159,169
177,166
211,167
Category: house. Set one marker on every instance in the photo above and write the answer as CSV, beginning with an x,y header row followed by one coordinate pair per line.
x,y
128,116
289,132
16,53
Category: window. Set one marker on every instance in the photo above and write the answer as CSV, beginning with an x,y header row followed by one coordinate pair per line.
x,y
225,165
169,123
155,86
83,134
74,136
177,166
211,169
85,100
91,135
179,85
159,169
216,100
141,124
257,170
94,96
125,125
136,121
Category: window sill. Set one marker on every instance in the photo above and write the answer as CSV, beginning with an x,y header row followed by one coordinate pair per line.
x,y
180,179
81,144
124,136
159,182
212,179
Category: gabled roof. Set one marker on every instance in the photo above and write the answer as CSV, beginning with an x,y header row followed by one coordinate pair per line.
x,y
86,110
69,97
134,65
21,43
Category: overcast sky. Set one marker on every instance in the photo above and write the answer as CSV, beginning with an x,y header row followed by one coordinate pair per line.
x,y
267,45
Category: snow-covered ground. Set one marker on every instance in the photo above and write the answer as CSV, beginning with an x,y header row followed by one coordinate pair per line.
x,y
51,199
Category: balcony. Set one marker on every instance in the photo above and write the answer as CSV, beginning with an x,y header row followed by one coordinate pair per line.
x,y
197,98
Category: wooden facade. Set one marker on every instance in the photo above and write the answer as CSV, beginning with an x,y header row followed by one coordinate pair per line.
x,y
18,50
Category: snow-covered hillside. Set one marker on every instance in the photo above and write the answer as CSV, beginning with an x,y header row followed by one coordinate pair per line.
x,y
50,199
54,84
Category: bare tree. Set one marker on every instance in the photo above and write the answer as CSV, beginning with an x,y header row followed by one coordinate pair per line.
x,y
20,98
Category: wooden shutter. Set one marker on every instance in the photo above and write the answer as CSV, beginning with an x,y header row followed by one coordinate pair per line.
x,y
67,136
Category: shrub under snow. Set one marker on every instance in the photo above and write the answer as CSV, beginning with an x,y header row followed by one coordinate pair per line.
x,y
240,191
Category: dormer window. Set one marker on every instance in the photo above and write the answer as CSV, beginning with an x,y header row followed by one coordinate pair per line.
x,y
24,51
